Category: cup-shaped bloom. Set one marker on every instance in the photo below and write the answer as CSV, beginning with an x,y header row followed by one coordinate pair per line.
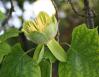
x,y
42,29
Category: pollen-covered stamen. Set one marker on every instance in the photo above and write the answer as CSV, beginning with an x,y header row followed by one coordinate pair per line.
x,y
29,26
42,21
39,23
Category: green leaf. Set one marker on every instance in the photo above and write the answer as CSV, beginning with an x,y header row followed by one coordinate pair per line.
x,y
1,58
4,50
46,68
83,56
2,16
18,64
57,50
48,55
10,33
38,54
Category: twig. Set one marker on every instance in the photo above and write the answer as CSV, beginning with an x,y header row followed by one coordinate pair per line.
x,y
9,15
73,8
89,14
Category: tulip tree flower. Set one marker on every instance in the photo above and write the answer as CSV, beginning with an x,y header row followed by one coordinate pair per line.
x,y
42,31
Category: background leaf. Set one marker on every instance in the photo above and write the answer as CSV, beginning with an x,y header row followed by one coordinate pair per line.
x,y
83,56
10,33
2,16
4,50
46,68
57,50
18,64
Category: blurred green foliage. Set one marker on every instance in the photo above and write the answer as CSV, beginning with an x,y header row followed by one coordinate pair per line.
x,y
2,16
67,18
67,21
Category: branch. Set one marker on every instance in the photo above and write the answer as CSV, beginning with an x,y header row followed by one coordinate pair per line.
x,y
89,14
9,15
73,8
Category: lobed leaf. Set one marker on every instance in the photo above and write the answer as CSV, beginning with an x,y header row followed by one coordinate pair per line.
x,y
83,56
18,64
